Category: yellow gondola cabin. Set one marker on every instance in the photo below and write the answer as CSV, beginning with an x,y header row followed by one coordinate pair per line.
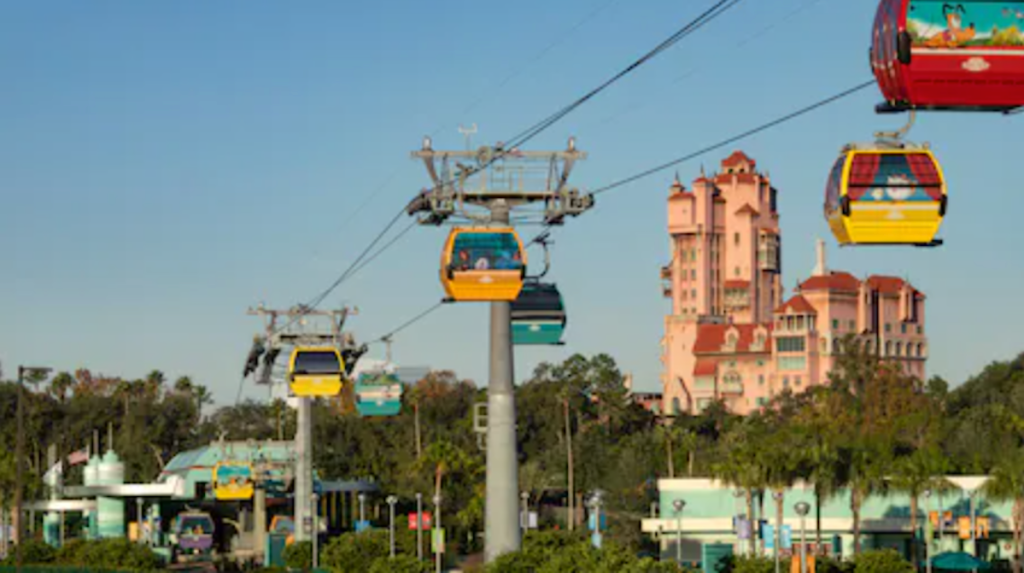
x,y
886,195
483,264
316,371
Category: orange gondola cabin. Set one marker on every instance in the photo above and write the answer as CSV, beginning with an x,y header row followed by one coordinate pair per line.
x,y
955,56
483,264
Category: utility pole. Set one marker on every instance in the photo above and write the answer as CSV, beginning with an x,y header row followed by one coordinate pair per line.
x,y
287,336
19,480
503,179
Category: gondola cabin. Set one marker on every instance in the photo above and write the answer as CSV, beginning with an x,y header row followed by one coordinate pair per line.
x,y
378,394
233,481
316,371
483,264
885,196
942,55
193,532
538,315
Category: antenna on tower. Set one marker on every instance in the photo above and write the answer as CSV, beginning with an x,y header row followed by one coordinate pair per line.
x,y
468,132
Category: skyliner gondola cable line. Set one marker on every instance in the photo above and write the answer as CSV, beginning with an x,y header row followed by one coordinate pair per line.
x,y
750,132
707,16
560,39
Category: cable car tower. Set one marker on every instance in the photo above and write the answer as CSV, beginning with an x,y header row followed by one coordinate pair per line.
x,y
299,332
495,187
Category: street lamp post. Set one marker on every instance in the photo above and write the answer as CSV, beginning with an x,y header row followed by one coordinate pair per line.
x,y
524,520
678,505
391,508
419,526
316,530
927,537
362,509
437,523
802,509
23,371
777,496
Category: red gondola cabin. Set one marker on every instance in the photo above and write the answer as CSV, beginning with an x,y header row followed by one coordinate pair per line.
x,y
956,56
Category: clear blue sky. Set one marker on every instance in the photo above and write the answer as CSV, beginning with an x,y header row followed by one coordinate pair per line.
x,y
167,164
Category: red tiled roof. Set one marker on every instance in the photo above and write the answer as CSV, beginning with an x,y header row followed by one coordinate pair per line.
x,y
681,195
768,231
737,284
711,337
705,368
797,304
736,158
747,208
834,281
887,285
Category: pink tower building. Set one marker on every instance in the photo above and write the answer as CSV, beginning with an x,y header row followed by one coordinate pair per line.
x,y
730,336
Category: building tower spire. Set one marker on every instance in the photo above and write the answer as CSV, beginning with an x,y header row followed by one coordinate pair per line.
x,y
821,269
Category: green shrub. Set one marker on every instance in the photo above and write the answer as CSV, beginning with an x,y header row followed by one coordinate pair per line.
x,y
753,564
355,552
299,555
399,564
882,561
32,553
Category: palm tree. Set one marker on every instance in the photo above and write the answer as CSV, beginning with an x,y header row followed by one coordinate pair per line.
x,y
183,385
742,467
864,466
203,398
781,466
61,385
1006,483
914,474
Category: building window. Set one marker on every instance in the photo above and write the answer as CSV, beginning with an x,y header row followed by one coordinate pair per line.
x,y
797,382
824,345
853,325
693,294
675,406
736,271
761,402
790,344
920,350
888,348
760,363
693,274
836,346
919,329
785,381
888,327
903,328
835,324
899,348
736,239
760,378
791,363
910,350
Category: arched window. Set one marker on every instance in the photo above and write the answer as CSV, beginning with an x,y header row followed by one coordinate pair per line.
x,y
888,348
920,350
910,350
835,346
899,349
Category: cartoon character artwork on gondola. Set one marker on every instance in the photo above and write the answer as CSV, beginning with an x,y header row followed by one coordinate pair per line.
x,y
965,25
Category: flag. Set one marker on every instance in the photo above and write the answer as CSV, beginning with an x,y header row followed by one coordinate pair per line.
x,y
79,457
50,477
